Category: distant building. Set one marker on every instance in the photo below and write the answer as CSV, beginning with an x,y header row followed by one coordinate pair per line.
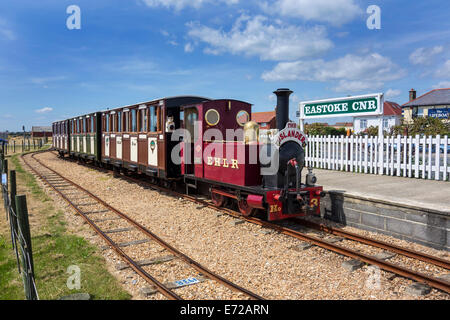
x,y
392,116
435,103
265,120
41,132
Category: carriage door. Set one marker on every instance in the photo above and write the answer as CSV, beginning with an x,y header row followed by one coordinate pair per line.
x,y
190,119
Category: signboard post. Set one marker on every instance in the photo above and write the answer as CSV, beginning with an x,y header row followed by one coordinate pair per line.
x,y
364,105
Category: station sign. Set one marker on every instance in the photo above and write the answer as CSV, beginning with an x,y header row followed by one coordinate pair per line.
x,y
366,105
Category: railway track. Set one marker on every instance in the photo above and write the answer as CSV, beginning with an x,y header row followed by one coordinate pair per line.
x,y
434,282
72,193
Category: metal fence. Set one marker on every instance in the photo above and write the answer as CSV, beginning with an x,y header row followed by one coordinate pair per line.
x,y
422,157
20,146
17,215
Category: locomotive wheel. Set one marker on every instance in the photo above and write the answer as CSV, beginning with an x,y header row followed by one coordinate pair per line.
x,y
217,199
245,209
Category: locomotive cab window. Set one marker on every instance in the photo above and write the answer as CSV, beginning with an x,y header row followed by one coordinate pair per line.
x,y
242,117
212,117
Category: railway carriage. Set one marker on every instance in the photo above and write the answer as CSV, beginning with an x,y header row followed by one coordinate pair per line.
x,y
84,136
60,139
138,137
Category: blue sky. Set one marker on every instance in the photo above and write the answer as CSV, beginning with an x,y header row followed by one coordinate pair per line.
x,y
137,50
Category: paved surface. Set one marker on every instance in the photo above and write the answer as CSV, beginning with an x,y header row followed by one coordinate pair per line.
x,y
422,193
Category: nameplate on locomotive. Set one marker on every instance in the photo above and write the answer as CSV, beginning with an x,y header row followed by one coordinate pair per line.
x,y
290,133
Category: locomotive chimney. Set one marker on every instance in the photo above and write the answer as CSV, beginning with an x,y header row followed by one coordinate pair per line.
x,y
282,111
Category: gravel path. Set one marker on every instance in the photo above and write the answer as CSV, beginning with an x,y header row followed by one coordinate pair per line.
x,y
262,262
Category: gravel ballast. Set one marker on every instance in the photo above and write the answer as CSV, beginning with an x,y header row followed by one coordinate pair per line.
x,y
266,263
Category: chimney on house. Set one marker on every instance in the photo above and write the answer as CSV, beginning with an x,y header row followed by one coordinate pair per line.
x,y
412,94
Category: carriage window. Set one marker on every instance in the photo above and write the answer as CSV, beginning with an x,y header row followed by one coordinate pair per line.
x,y
212,117
126,123
242,117
153,119
143,120
133,121
113,123
119,121
107,122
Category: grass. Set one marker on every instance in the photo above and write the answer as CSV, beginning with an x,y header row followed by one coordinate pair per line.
x,y
54,250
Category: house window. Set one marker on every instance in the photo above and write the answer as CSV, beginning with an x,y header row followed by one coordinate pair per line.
x,y
385,123
364,124
420,112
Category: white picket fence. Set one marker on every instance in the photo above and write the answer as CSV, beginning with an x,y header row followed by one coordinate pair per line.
x,y
413,157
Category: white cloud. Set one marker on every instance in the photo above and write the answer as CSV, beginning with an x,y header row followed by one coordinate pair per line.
x,y
181,4
335,12
258,37
188,47
392,93
424,55
353,73
442,84
44,110
444,71
45,80
5,32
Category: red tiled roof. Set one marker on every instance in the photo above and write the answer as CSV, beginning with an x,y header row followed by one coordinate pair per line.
x,y
263,117
392,109
343,124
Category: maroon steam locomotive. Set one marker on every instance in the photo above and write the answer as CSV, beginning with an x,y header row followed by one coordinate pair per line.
x,y
210,146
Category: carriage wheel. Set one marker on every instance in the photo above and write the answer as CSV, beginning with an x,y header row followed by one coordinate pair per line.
x,y
217,199
245,209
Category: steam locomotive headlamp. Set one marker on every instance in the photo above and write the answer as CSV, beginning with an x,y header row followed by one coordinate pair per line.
x,y
310,178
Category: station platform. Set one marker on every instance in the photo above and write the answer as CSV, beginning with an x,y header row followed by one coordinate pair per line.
x,y
422,193
416,210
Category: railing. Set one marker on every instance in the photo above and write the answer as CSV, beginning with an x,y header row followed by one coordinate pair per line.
x,y
423,157
17,215
22,145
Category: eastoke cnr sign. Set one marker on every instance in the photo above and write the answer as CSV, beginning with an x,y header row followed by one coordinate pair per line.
x,y
343,107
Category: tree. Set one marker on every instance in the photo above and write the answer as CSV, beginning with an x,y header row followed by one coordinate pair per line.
x,y
319,129
423,126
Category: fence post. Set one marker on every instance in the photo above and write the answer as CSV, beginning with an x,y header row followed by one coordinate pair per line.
x,y
5,166
25,240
